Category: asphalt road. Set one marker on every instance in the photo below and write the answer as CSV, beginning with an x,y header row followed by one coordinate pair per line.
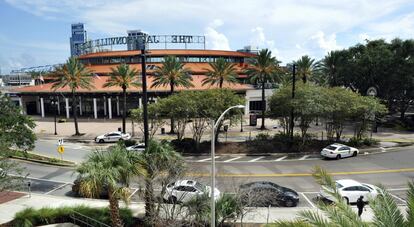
x,y
393,169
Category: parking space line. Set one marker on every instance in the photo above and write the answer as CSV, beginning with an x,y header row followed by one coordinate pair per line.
x,y
304,157
280,159
397,197
308,200
135,191
207,159
256,159
40,179
55,189
232,159
397,189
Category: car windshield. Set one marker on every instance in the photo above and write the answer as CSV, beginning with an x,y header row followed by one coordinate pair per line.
x,y
367,186
199,186
338,185
330,147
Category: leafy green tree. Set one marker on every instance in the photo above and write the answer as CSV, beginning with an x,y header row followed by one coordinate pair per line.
x,y
155,120
124,77
74,75
172,73
16,130
113,170
159,164
386,211
306,67
264,68
221,71
328,68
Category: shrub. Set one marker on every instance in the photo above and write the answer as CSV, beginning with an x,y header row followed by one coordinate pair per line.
x,y
130,142
262,137
354,142
184,145
44,216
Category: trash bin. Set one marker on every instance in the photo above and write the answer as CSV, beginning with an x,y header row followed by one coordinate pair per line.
x,y
253,119
119,129
163,131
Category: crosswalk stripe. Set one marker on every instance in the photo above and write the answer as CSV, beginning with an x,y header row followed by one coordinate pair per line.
x,y
256,159
304,157
280,159
232,159
207,159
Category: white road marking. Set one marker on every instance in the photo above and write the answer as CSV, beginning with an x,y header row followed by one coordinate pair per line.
x,y
280,159
256,159
382,149
207,159
308,200
397,197
232,159
40,179
398,189
304,157
56,189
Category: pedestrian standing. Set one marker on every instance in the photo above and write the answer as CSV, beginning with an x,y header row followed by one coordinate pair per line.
x,y
360,204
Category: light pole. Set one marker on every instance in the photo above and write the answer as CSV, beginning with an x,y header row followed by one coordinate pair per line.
x,y
213,162
54,104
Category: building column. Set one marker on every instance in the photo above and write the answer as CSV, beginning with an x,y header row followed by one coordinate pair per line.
x,y
95,111
58,105
80,106
104,99
247,107
117,105
21,105
67,108
109,108
140,102
42,107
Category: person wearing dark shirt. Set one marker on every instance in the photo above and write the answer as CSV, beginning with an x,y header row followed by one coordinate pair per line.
x,y
360,204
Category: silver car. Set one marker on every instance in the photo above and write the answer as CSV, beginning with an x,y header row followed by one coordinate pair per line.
x,y
112,137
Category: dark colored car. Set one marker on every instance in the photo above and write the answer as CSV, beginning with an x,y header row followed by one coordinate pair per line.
x,y
264,194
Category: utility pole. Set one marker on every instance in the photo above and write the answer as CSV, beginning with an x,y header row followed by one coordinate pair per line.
x,y
144,87
292,115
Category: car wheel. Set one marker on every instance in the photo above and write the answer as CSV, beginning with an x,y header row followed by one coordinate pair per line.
x,y
172,199
346,200
354,154
101,141
338,157
290,203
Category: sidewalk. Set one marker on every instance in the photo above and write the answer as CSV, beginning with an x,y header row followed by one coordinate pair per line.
x,y
94,127
255,215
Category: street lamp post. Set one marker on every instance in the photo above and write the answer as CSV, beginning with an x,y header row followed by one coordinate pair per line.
x,y
213,162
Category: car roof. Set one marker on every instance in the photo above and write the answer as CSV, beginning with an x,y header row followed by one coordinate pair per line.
x,y
185,183
348,182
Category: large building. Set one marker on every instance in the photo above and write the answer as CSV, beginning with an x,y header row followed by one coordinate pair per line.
x,y
101,102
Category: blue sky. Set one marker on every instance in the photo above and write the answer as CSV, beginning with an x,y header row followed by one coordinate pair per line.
x,y
36,32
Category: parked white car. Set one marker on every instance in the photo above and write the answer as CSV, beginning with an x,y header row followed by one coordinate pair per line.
x,y
112,137
185,190
351,190
137,147
339,151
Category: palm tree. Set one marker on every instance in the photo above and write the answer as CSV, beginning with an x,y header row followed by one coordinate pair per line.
x,y
172,73
74,75
124,77
158,162
222,71
329,66
385,210
306,67
110,170
263,69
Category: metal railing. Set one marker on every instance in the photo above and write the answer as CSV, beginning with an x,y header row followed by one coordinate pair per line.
x,y
83,220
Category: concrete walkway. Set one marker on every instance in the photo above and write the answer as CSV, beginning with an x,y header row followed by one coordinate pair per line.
x,y
254,215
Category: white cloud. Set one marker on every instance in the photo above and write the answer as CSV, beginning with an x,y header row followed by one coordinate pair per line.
x,y
326,43
214,39
259,40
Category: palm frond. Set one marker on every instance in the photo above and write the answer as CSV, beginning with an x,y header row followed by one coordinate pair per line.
x,y
410,204
386,211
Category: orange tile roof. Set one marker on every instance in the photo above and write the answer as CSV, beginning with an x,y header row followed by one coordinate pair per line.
x,y
195,68
163,52
98,82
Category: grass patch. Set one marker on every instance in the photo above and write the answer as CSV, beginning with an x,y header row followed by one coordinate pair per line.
x,y
45,216
39,158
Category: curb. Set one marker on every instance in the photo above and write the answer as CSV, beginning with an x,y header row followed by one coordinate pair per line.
x,y
43,162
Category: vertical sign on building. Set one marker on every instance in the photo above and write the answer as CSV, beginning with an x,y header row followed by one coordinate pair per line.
x,y
78,37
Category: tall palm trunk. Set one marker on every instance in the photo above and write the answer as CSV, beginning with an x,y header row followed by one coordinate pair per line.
x,y
172,119
74,112
114,209
124,112
149,200
221,83
263,106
